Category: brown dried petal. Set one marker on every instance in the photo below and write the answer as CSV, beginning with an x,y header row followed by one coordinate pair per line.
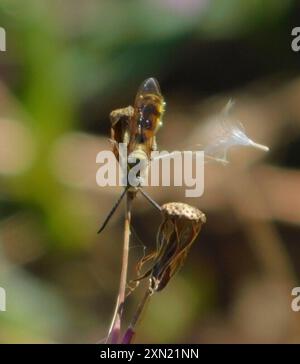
x,y
180,227
119,126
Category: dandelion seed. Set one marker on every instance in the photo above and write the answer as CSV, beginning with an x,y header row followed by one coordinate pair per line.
x,y
229,134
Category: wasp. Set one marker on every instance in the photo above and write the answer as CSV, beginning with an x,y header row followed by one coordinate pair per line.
x,y
136,126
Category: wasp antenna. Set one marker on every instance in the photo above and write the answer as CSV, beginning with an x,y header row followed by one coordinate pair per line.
x,y
113,210
153,203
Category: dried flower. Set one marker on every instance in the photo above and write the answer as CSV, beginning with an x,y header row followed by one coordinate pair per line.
x,y
180,227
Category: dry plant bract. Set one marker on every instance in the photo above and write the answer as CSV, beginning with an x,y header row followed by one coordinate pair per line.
x,y
180,227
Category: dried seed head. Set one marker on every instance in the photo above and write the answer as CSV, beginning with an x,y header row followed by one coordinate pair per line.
x,y
180,227
183,210
119,120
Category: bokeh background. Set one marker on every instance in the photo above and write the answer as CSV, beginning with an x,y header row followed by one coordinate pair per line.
x,y
67,65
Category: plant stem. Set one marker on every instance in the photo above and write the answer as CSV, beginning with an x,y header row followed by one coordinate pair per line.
x,y
130,332
115,327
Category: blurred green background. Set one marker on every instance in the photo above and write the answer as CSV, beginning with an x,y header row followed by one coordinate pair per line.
x,y
67,65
